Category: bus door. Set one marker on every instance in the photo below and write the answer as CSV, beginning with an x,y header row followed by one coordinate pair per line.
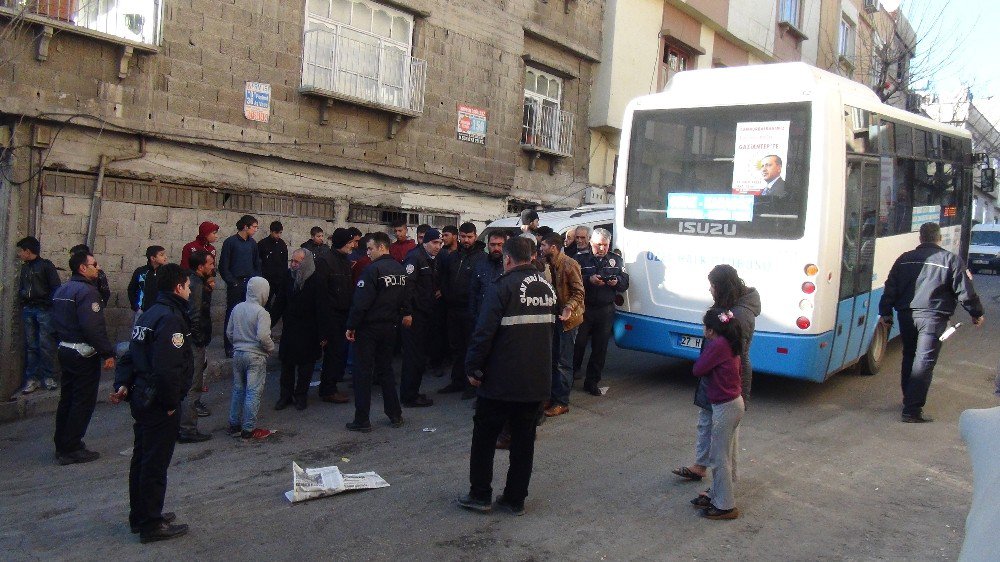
x,y
856,311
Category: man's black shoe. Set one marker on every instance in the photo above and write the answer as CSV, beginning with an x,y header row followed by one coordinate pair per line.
x,y
363,427
468,393
79,456
515,508
201,409
452,388
282,403
168,517
193,437
420,401
396,422
161,532
915,418
592,389
475,504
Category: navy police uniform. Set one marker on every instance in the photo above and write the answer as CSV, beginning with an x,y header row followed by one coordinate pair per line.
x,y
422,281
78,323
599,314
162,368
924,286
381,299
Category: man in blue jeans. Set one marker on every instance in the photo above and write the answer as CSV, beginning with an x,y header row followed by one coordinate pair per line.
x,y
250,331
37,282
238,262
567,281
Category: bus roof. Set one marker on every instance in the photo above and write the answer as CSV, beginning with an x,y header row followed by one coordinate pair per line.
x,y
774,83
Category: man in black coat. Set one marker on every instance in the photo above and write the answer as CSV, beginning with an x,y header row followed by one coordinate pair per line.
x,y
200,302
305,309
78,322
273,253
510,363
924,286
422,279
37,282
339,282
456,281
162,368
381,302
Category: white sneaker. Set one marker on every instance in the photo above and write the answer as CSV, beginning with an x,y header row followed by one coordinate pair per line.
x,y
30,387
50,384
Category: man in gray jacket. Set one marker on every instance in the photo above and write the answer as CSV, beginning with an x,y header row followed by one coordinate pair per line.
x,y
250,331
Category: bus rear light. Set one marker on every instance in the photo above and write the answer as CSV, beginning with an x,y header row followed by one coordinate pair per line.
x,y
811,269
803,323
806,305
628,327
808,288
783,350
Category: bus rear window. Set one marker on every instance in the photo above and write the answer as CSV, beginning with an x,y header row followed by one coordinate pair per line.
x,y
719,171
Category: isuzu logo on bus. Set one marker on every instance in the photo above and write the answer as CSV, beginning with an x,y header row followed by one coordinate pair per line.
x,y
710,228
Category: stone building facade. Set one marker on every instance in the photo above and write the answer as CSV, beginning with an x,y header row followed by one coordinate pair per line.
x,y
314,112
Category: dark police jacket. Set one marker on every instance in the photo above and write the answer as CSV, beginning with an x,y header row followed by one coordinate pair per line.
x,y
78,315
484,276
457,274
609,266
512,341
381,296
929,281
162,356
200,311
421,279
38,281
340,280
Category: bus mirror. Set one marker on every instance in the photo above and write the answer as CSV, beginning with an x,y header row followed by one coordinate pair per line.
x,y
987,179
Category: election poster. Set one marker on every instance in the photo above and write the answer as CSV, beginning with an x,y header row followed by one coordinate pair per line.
x,y
758,163
471,126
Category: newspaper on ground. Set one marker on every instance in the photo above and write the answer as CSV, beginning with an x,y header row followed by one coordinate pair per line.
x,y
312,483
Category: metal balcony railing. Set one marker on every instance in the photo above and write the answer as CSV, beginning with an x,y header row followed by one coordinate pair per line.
x,y
367,70
547,129
134,20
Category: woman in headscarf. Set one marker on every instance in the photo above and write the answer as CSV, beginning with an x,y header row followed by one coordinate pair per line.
x,y
304,306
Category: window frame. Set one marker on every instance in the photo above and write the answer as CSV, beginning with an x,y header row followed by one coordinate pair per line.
x,y
663,71
847,41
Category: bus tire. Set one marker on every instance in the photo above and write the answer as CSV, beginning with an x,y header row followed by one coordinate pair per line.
x,y
871,362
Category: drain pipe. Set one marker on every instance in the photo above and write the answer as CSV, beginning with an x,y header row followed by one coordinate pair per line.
x,y
98,197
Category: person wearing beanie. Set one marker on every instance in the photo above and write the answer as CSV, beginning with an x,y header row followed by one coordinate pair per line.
x,y
208,233
340,284
529,223
37,282
424,289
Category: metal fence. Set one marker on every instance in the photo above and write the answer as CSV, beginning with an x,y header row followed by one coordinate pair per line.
x,y
365,68
547,129
135,20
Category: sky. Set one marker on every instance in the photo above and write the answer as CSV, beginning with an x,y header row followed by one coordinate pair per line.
x,y
961,41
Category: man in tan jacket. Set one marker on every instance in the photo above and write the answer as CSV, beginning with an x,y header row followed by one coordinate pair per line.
x,y
568,283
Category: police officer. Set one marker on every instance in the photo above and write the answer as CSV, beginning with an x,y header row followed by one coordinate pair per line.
x,y
380,301
509,364
78,322
162,369
923,287
422,282
341,288
603,278
455,283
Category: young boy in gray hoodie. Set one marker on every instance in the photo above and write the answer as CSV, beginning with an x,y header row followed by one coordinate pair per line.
x,y
250,331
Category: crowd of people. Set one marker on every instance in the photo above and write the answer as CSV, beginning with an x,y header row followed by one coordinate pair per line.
x,y
514,312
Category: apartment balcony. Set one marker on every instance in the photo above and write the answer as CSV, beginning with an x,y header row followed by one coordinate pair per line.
x,y
364,70
132,23
547,130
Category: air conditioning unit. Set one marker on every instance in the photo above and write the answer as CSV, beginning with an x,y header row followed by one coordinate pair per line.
x,y
595,195
872,6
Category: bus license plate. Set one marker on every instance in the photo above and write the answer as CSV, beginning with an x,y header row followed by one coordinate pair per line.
x,y
690,341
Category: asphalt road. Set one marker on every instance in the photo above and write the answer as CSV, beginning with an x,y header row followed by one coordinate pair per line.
x,y
826,472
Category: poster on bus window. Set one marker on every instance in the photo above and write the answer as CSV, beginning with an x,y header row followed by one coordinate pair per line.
x,y
761,151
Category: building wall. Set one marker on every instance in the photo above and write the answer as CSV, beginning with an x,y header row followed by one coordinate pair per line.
x,y
186,102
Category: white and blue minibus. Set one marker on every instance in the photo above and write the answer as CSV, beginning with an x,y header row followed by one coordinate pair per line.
x,y
804,182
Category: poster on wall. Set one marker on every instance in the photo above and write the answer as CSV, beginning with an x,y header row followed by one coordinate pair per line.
x,y
758,163
471,126
257,102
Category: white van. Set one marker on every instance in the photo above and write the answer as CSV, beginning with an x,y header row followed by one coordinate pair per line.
x,y
984,249
593,216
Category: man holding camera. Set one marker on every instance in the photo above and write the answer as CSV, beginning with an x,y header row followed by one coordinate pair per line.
x,y
603,278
